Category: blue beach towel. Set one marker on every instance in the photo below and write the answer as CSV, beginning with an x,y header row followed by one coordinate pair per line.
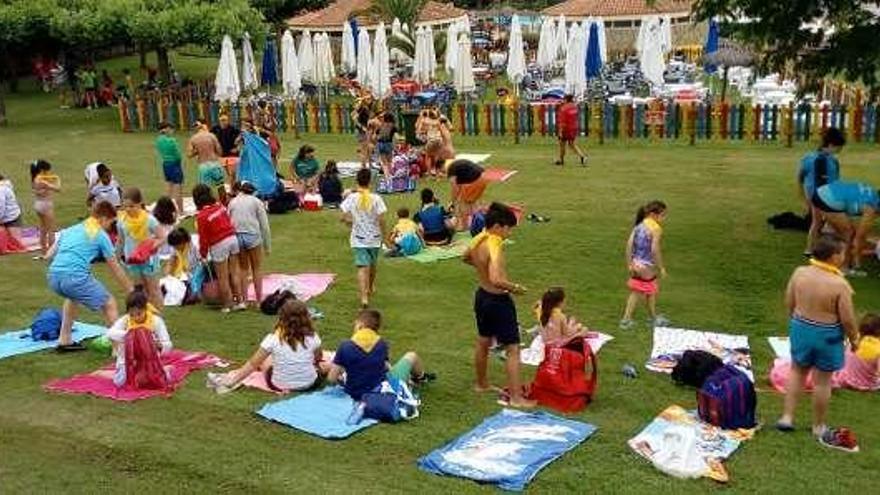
x,y
324,413
255,165
508,449
20,342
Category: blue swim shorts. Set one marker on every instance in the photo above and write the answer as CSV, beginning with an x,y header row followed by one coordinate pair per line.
x,y
81,289
816,345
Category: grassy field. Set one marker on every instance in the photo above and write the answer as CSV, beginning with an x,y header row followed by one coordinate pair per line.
x,y
727,272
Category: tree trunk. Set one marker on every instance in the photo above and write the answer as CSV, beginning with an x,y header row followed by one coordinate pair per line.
x,y
142,52
3,121
164,65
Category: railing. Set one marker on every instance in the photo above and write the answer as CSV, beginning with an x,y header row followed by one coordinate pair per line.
x,y
655,121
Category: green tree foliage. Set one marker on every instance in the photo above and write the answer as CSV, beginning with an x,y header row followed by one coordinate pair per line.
x,y
818,37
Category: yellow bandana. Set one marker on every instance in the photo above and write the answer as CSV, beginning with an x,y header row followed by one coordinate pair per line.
x,y
148,323
180,265
137,225
493,242
652,225
92,226
365,338
825,266
48,177
365,200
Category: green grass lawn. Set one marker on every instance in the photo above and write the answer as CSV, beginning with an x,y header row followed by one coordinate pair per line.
x,y
727,271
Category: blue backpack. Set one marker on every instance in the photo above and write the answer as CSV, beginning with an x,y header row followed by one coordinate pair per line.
x,y
392,402
46,325
727,399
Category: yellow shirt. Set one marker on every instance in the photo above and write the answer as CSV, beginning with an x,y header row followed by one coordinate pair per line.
x,y
869,348
406,226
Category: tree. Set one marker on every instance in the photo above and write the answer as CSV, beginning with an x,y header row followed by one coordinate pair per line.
x,y
407,12
817,37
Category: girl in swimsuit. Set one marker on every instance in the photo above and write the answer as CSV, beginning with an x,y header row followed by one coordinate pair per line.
x,y
45,184
645,262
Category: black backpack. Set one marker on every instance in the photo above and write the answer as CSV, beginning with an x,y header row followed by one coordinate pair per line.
x,y
694,367
273,302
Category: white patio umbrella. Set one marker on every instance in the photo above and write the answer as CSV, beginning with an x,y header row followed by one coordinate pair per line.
x,y
364,57
464,72
575,67
603,46
249,81
451,47
397,32
432,53
380,70
651,51
545,42
226,83
323,59
667,34
306,54
349,58
516,56
561,37
421,64
291,79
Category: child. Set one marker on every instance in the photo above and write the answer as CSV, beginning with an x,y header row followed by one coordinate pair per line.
x,y
556,328
567,123
861,369
645,262
289,357
10,211
217,238
404,237
304,168
44,184
165,212
330,186
364,360
185,257
365,213
251,224
139,317
135,227
169,154
467,185
434,223
385,142
106,189
70,268
818,168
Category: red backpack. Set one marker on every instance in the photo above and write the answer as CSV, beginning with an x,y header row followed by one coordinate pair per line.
x,y
143,368
567,378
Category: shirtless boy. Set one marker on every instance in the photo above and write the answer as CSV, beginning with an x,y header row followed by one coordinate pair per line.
x,y
493,306
819,302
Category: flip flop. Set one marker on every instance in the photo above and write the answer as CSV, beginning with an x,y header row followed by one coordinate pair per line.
x,y
784,427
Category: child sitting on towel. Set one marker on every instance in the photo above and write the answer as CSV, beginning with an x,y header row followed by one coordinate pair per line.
x,y
364,360
330,186
434,221
404,238
645,263
861,369
556,327
140,316
290,358
106,188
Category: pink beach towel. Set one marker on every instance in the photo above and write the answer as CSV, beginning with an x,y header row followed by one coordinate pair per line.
x,y
855,375
305,285
30,241
257,379
178,365
494,174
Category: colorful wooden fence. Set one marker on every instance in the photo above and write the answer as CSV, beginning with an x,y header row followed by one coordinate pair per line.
x,y
656,121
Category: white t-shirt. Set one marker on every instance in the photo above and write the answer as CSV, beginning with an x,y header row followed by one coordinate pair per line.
x,y
365,229
91,173
117,332
292,369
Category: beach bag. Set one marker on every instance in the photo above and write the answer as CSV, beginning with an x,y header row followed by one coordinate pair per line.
x,y
694,367
143,252
567,377
46,325
312,202
143,368
273,302
391,403
727,399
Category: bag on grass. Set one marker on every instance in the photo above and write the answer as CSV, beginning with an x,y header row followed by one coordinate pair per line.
x,y
694,367
46,325
727,399
392,403
273,302
143,368
567,377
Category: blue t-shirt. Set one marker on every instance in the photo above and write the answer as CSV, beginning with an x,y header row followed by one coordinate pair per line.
x,y
129,244
817,169
76,251
849,197
432,219
363,371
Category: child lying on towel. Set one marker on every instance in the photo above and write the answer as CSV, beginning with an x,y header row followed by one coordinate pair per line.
x,y
138,338
364,360
289,357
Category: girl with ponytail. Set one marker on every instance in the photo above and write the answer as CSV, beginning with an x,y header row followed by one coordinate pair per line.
x,y
644,261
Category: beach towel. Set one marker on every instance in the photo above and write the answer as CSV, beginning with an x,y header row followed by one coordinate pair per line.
x,y
189,208
256,166
20,341
781,347
681,445
350,168
324,413
257,379
304,285
474,157
28,242
533,355
178,364
670,344
508,449
493,174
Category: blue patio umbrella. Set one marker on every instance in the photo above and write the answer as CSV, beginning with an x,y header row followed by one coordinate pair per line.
x,y
354,32
594,60
711,46
269,73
